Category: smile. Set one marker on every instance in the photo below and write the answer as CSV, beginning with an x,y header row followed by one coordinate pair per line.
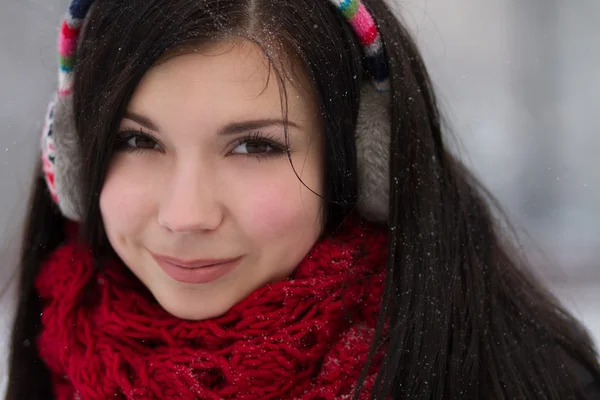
x,y
195,271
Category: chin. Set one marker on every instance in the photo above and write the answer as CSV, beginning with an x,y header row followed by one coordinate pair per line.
x,y
183,308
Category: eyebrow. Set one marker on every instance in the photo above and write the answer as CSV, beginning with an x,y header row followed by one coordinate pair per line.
x,y
229,129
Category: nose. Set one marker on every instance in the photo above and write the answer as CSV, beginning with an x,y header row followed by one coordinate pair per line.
x,y
190,202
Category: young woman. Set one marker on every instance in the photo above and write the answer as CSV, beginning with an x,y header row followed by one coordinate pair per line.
x,y
251,199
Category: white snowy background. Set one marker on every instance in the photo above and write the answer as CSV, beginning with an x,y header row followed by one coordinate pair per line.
x,y
518,80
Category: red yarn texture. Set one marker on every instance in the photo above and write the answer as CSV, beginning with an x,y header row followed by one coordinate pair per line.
x,y
105,337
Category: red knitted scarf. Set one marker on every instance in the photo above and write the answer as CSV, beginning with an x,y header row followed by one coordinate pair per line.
x,y
105,337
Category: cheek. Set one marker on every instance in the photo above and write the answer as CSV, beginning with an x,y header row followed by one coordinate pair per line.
x,y
277,203
126,201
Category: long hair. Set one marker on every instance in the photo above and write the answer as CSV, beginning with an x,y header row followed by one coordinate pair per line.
x,y
462,316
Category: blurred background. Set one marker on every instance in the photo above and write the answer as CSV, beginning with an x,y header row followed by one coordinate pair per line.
x,y
518,80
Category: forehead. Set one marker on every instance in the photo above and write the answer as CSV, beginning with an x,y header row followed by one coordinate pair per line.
x,y
233,76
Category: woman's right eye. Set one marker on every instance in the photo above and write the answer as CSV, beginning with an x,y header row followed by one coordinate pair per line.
x,y
136,141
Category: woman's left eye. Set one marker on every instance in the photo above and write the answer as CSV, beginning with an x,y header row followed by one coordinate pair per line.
x,y
256,144
253,147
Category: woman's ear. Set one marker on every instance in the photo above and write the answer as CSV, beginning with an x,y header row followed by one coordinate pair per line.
x,y
373,130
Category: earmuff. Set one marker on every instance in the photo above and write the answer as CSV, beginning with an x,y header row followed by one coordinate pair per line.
x,y
62,159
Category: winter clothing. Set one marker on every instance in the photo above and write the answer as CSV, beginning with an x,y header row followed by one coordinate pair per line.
x,y
104,336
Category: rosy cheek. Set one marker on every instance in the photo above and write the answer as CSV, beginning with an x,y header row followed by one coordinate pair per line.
x,y
125,200
275,207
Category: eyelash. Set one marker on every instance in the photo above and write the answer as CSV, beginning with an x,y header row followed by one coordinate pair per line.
x,y
254,137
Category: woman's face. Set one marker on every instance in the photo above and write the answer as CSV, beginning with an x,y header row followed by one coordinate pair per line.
x,y
201,177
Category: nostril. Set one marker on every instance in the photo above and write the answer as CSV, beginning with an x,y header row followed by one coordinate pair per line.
x,y
188,220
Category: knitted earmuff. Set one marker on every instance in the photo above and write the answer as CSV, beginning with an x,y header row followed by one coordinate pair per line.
x,y
61,155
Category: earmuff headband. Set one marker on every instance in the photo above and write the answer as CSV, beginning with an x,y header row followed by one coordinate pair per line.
x,y
61,158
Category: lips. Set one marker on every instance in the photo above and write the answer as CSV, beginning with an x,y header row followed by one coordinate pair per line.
x,y
193,263
195,271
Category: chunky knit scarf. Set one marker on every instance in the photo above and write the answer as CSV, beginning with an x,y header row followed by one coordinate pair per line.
x,y
104,336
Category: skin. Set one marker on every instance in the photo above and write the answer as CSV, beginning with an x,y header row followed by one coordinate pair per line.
x,y
194,192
